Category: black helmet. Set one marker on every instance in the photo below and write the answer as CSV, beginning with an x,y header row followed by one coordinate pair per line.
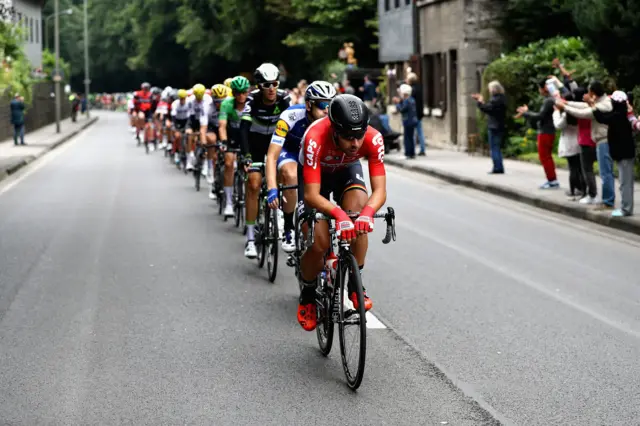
x,y
349,116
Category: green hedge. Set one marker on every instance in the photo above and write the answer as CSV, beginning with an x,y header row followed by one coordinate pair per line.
x,y
520,71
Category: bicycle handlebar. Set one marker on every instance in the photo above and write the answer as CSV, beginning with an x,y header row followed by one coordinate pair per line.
x,y
389,217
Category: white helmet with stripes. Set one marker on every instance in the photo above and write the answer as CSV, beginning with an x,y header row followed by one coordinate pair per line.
x,y
320,91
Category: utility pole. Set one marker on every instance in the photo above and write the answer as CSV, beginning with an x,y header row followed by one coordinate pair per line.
x,y
56,77
86,56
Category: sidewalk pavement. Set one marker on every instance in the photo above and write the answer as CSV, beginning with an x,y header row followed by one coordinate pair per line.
x,y
520,182
38,143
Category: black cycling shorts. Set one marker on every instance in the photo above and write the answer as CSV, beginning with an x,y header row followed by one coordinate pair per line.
x,y
336,183
258,146
180,124
212,128
195,125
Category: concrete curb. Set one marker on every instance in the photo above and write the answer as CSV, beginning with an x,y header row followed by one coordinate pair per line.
x,y
576,211
15,167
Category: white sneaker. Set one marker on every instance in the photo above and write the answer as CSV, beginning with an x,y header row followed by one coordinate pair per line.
x,y
250,250
205,169
212,195
176,158
210,177
588,200
190,163
228,210
287,243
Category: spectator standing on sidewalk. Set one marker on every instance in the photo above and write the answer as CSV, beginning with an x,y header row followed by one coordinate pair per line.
x,y
596,99
416,93
587,154
569,148
407,107
368,90
622,146
496,111
546,134
17,118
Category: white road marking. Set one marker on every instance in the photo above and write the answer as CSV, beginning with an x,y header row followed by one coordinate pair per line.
x,y
373,322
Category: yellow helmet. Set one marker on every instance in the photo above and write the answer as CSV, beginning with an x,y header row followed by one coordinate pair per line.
x,y
229,92
227,82
198,91
219,91
182,93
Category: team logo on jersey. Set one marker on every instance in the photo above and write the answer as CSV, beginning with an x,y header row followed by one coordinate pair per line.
x,y
282,128
276,110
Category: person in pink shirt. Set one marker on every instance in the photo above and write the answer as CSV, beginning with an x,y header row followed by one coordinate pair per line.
x,y
587,153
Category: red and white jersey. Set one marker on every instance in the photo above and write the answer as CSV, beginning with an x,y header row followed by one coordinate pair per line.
x,y
320,153
162,108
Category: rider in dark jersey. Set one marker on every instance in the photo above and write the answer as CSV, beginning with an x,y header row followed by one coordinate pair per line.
x,y
263,108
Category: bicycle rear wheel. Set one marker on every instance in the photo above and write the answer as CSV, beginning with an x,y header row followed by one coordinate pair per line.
x,y
352,323
196,176
272,242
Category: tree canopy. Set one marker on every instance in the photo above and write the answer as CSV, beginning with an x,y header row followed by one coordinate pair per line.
x,y
178,42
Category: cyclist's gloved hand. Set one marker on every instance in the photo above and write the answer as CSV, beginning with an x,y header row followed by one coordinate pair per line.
x,y
272,195
364,222
345,229
247,159
223,146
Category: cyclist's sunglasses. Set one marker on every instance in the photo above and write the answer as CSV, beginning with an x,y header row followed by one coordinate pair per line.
x,y
269,85
236,92
352,136
321,105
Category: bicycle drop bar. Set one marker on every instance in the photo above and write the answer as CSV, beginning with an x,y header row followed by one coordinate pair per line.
x,y
389,217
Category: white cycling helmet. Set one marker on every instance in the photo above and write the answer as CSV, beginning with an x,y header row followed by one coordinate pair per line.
x,y
320,91
266,72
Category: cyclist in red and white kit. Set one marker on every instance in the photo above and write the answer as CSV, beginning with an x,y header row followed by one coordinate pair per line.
x,y
142,104
330,164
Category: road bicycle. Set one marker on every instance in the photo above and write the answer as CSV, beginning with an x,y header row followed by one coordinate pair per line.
x,y
340,277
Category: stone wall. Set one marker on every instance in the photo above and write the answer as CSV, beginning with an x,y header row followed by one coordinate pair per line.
x,y
464,26
40,113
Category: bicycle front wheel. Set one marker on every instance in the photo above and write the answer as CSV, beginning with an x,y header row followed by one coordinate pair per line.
x,y
239,207
272,243
352,321
262,233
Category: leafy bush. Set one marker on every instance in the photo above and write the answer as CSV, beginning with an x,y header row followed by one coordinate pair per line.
x,y
520,71
334,67
49,66
15,75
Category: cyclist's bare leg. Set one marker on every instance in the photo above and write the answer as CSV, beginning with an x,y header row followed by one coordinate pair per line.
x,y
289,176
140,122
355,200
211,139
312,260
254,181
229,159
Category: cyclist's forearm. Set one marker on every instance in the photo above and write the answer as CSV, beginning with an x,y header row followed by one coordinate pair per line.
x,y
222,130
271,172
318,202
378,192
245,126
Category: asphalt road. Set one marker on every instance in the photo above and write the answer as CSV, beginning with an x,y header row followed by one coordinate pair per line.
x,y
124,299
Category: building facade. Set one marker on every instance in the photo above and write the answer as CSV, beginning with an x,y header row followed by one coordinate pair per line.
x,y
29,14
456,43
397,40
